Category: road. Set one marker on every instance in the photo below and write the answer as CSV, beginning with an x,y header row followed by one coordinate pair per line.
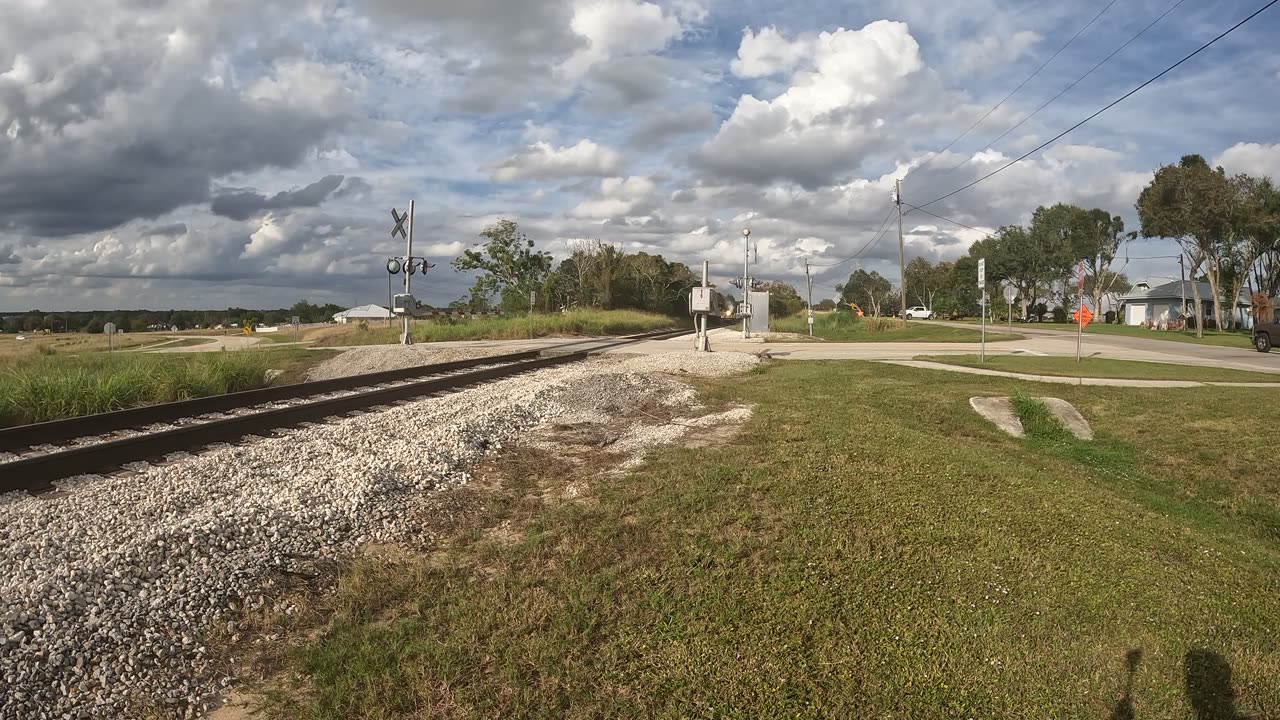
x,y
217,343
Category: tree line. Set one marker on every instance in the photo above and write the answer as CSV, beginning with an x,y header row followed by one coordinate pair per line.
x,y
1227,228
514,277
143,320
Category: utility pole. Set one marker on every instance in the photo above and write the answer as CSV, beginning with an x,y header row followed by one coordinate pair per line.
x,y
1080,314
808,279
1182,284
407,338
700,320
902,261
746,283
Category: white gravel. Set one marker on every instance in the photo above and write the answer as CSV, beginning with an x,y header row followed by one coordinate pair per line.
x,y
719,364
109,588
377,358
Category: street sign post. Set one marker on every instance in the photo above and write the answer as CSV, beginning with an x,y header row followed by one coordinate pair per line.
x,y
982,285
1010,294
110,330
1080,316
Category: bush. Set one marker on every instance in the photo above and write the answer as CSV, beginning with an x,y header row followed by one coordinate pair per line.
x,y
1059,314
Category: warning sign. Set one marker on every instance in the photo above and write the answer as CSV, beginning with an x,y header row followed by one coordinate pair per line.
x,y
1083,316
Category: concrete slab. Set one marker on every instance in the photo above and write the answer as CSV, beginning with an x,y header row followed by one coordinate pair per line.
x,y
1069,416
999,410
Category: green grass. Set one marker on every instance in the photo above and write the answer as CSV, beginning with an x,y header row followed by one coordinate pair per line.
x,y
843,327
580,322
866,547
50,387
1104,368
1226,339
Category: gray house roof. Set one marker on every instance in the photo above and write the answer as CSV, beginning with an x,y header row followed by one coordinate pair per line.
x,y
1175,291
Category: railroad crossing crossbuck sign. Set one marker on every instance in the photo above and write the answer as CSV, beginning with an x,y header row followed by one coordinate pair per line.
x,y
400,221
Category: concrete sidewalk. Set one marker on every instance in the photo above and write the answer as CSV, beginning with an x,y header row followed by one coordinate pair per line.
x,y
1060,380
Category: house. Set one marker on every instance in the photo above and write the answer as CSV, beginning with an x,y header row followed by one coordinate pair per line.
x,y
363,312
1159,306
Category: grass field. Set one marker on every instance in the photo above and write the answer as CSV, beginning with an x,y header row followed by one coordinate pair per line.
x,y
1104,368
36,343
42,387
1226,339
581,322
842,327
866,547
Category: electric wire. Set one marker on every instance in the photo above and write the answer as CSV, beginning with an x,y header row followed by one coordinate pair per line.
x,y
1067,89
1020,86
1106,107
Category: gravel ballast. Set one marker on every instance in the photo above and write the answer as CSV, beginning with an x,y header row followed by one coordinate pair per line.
x,y
377,358
110,587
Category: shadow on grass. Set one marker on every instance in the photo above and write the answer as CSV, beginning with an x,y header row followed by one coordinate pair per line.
x,y
1207,681
1124,708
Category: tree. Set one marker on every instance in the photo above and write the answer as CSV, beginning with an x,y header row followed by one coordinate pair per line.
x,y
1191,204
825,305
925,280
784,301
866,288
1099,237
509,265
1113,285
1253,229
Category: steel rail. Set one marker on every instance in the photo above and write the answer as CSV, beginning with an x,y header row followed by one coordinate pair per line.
x,y
38,472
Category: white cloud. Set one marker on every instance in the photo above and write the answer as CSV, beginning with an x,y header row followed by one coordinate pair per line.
x,y
829,117
617,27
767,53
543,160
1251,158
618,198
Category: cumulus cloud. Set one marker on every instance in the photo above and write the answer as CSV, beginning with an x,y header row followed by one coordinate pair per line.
x,y
767,52
1251,158
829,118
115,115
618,197
243,205
544,160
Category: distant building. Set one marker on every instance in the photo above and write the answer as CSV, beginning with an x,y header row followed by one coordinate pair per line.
x,y
1159,305
363,312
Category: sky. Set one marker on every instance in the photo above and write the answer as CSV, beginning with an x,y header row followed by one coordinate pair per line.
x,y
214,153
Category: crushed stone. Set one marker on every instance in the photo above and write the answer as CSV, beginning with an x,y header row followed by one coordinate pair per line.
x,y
379,358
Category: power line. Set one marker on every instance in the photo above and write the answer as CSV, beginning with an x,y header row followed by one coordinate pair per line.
x,y
1066,89
857,254
953,222
1107,107
1020,86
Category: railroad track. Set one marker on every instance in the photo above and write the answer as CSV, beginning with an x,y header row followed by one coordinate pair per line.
x,y
271,409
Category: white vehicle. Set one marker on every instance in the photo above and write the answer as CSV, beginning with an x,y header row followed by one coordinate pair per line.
x,y
919,312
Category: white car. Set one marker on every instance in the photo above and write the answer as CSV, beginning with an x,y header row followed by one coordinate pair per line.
x,y
919,312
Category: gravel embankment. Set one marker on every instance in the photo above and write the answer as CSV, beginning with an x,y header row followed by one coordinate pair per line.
x,y
109,588
377,358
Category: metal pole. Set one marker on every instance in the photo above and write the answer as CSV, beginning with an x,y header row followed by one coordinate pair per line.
x,y
902,261
1080,314
808,279
704,343
983,357
406,338
746,282
1010,318
1182,277
532,296
389,303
